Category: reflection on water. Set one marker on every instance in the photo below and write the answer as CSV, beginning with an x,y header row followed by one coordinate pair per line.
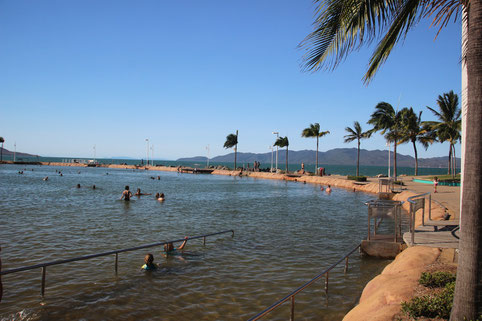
x,y
285,234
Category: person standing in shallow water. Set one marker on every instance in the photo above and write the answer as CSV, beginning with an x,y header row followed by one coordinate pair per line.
x,y
126,194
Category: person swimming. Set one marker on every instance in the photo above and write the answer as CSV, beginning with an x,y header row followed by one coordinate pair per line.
x,y
169,248
139,193
149,263
160,197
328,189
126,194
78,185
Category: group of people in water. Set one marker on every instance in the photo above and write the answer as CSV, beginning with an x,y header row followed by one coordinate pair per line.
x,y
169,250
127,194
327,190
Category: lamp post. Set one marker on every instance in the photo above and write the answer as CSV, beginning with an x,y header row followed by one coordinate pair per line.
x,y
15,152
207,147
271,168
94,153
152,155
147,160
277,136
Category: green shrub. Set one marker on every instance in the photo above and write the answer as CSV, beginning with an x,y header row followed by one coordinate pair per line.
x,y
436,279
357,178
398,183
431,306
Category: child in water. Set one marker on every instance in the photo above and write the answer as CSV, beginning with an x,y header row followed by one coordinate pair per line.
x,y
149,263
160,197
169,248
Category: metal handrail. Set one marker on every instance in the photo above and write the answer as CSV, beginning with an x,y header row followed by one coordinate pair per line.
x,y
87,257
413,211
301,288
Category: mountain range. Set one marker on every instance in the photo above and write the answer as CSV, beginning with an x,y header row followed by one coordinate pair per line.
x,y
337,156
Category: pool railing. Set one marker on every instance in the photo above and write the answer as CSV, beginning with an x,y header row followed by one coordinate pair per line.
x,y
292,295
114,252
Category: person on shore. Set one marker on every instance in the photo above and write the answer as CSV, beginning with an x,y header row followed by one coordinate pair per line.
x,y
139,193
435,184
126,194
169,248
328,189
149,263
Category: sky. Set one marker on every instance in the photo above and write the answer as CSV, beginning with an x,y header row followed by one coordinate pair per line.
x,y
185,74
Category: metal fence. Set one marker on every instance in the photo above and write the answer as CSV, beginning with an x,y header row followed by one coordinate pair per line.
x,y
87,257
291,296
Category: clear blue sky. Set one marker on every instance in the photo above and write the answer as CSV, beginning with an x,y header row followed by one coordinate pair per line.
x,y
185,74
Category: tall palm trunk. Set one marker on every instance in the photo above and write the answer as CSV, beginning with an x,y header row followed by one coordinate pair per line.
x,y
286,159
236,150
395,159
450,160
455,163
358,159
416,157
468,288
1,154
316,168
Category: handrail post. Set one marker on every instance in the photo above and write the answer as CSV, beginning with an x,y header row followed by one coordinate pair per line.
x,y
292,317
423,213
204,240
116,262
369,214
42,289
375,226
232,235
412,224
346,265
429,206
326,282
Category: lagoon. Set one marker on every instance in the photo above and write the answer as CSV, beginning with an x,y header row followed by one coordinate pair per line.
x,y
285,233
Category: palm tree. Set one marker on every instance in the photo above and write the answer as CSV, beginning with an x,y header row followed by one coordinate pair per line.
x,y
385,119
232,141
358,134
283,142
1,150
447,129
314,131
342,26
413,131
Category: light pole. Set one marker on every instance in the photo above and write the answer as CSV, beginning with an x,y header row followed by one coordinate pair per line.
x,y
389,165
207,147
147,160
277,136
15,152
271,168
152,155
94,153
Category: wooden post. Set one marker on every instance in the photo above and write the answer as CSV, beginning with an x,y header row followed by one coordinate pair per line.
x,y
42,290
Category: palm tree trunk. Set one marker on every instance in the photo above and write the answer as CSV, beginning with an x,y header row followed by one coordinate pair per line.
x,y
395,159
450,159
1,154
468,288
416,157
286,159
358,159
235,155
316,168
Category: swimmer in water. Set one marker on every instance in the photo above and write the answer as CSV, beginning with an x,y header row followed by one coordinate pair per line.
x,y
78,185
328,189
160,197
169,248
138,193
46,178
149,263
126,194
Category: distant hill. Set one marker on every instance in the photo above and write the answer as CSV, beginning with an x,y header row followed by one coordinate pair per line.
x,y
337,156
7,152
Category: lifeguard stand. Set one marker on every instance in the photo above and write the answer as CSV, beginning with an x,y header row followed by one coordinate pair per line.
x,y
383,245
